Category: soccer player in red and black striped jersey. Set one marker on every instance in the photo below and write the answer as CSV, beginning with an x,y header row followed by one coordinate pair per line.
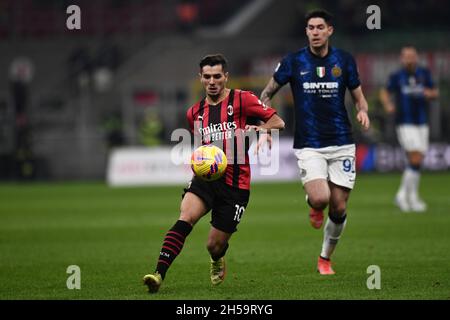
x,y
219,118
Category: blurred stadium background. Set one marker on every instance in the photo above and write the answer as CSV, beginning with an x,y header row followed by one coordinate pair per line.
x,y
68,98
126,78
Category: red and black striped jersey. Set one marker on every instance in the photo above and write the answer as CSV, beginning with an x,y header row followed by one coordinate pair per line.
x,y
224,125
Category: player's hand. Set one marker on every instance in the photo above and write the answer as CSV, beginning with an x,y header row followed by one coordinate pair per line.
x,y
363,119
430,93
389,108
250,127
264,139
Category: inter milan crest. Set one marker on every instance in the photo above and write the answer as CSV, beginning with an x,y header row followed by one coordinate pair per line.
x,y
320,71
230,110
336,71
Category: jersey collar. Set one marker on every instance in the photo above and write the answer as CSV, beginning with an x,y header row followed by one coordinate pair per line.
x,y
316,56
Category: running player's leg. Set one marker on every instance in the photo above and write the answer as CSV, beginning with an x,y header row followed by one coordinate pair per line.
x,y
342,177
191,210
337,218
414,140
415,159
314,175
229,207
317,196
217,246
334,226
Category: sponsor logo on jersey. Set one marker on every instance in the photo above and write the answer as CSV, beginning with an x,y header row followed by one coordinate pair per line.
x,y
320,85
302,73
413,90
217,131
224,126
320,71
336,71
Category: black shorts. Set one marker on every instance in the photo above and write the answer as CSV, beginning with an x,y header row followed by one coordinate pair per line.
x,y
226,202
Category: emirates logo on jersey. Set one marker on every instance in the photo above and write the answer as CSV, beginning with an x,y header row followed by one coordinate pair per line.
x,y
230,110
216,131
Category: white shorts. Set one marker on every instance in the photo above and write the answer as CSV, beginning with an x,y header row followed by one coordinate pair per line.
x,y
413,137
335,164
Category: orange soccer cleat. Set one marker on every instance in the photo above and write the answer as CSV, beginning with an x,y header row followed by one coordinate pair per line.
x,y
316,218
324,266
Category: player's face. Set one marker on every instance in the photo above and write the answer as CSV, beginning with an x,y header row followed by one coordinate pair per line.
x,y
318,32
409,58
213,79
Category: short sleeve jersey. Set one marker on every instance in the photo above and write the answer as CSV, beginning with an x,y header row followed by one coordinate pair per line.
x,y
410,102
318,86
224,125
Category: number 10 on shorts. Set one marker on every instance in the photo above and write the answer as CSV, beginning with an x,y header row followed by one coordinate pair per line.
x,y
239,212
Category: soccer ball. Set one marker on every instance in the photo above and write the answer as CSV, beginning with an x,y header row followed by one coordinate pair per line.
x,y
208,162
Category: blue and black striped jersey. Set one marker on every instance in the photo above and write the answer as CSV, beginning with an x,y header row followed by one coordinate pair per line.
x,y
410,103
318,85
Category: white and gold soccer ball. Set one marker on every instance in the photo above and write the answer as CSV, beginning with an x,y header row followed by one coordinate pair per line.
x,y
208,162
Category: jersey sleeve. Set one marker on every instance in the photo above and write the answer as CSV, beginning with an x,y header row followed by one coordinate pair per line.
x,y
352,72
429,83
253,107
190,118
392,83
283,71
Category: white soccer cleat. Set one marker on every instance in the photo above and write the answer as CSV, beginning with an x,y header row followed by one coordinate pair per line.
x,y
402,203
418,205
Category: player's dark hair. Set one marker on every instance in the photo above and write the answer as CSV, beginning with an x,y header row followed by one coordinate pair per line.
x,y
214,60
408,45
319,13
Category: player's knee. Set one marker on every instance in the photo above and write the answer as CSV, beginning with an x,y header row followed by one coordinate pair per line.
x,y
415,160
337,217
215,246
188,216
318,201
415,165
338,209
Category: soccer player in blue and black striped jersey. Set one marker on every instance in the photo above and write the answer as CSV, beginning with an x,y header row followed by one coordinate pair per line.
x,y
319,76
410,87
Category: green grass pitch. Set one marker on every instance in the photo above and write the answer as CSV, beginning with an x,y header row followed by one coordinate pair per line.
x,y
114,236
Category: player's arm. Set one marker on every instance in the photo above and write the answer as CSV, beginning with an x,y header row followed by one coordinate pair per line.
x,y
190,118
361,106
267,94
269,91
275,122
431,93
254,107
386,101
